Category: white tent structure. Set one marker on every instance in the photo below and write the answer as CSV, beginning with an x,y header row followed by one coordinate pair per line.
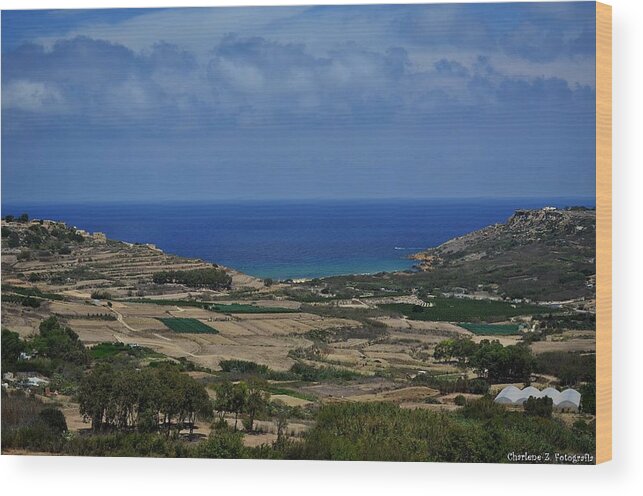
x,y
509,396
567,400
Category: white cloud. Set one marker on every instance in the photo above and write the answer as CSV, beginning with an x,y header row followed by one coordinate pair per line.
x,y
33,96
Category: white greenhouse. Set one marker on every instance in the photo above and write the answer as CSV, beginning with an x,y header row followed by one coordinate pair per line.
x,y
567,400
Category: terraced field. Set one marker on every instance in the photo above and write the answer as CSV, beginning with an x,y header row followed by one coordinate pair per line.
x,y
491,329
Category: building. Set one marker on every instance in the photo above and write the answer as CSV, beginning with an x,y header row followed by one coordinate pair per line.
x,y
564,401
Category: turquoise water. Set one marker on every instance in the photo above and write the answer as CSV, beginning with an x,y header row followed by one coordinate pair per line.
x,y
294,239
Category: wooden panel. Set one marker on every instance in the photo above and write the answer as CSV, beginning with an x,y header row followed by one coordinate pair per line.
x,y
603,232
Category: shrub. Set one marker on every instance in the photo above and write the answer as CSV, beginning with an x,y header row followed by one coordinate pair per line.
x,y
221,444
539,407
101,294
54,419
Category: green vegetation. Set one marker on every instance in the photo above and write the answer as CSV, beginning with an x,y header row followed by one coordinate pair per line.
x,y
241,308
539,407
465,310
211,278
576,321
248,398
28,423
100,294
238,369
491,329
243,367
30,291
69,276
55,352
55,239
215,307
571,368
490,359
310,373
25,301
276,389
149,400
189,326
89,316
220,444
588,398
59,343
480,432
108,350
530,256
448,385
372,330
12,346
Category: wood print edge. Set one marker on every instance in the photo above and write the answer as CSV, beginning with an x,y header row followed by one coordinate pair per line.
x,y
603,232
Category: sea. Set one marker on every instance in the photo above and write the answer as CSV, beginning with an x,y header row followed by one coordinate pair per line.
x,y
293,239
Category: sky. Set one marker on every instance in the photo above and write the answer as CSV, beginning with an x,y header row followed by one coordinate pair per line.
x,y
336,102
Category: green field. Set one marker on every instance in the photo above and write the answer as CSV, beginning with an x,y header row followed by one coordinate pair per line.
x,y
241,308
491,329
108,350
459,310
191,326
215,307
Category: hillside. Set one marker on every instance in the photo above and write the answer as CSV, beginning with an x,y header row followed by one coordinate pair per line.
x,y
546,254
66,258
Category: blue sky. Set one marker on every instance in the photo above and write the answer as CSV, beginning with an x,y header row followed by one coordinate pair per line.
x,y
420,101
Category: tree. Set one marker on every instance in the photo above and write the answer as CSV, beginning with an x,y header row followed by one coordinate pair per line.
x,y
280,411
60,343
12,346
238,400
588,398
196,402
497,362
539,407
94,395
257,401
222,402
443,350
24,218
170,399
268,282
463,349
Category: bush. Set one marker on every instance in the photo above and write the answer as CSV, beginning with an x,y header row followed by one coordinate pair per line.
x,y
570,367
54,419
211,278
447,386
480,432
221,444
460,400
28,424
243,367
588,398
539,407
101,294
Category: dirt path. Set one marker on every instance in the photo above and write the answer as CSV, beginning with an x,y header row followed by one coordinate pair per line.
x,y
119,317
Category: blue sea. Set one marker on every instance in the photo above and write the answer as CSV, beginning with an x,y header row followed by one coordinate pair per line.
x,y
293,239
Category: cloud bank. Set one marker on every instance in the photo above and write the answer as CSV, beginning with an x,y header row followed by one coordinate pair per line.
x,y
408,72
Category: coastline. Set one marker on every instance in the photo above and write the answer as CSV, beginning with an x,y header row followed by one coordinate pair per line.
x,y
272,239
